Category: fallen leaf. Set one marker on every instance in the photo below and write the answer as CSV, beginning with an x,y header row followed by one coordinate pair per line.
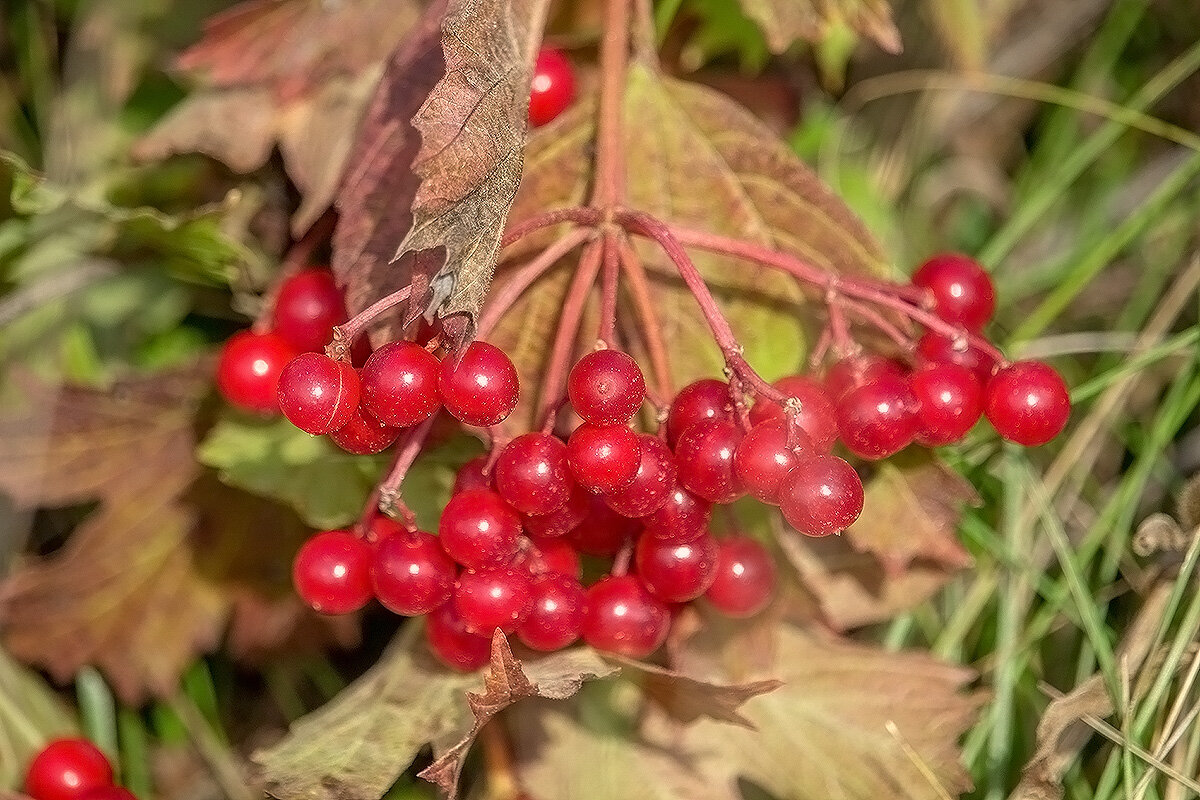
x,y
912,510
555,677
375,200
688,699
785,22
292,73
472,129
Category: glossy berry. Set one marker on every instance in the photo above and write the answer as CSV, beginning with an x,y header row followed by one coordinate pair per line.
x,y
411,574
1027,403
318,394
364,435
653,483
962,290
676,572
950,400
480,387
763,459
493,598
817,416
878,419
399,384
307,307
478,529
332,572
556,617
683,517
552,88
705,399
561,520
821,495
553,555
603,531
744,579
248,370
934,348
604,458
606,387
624,618
382,527
65,769
704,457
532,473
471,476
107,793
454,644
850,373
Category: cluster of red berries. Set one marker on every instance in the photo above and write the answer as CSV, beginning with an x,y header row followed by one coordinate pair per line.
x,y
72,769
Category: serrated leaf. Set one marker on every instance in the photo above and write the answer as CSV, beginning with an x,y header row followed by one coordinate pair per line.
x,y
785,22
472,129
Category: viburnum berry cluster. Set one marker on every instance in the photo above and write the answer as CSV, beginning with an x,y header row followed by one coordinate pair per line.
x,y
72,769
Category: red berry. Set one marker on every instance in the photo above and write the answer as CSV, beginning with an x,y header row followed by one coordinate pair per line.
x,y
478,529
552,87
65,769
554,555
850,373
624,618
556,619
454,644
603,531
950,399
248,370
821,495
318,394
676,572
604,458
382,527
561,520
1027,403
480,387
107,793
399,384
817,416
704,457
932,347
493,598
364,435
472,476
878,419
744,580
532,473
332,572
763,459
653,483
306,309
962,290
704,399
606,387
683,517
411,574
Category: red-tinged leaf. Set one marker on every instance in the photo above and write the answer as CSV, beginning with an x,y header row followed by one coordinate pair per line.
x,y
291,73
688,699
375,200
911,511
784,22
472,130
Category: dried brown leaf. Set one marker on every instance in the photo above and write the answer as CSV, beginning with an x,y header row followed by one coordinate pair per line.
x,y
688,699
912,511
472,129
785,22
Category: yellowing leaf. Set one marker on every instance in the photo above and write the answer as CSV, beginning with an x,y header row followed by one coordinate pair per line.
x,y
784,22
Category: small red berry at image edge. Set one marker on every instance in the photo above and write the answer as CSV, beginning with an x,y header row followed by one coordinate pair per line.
x,y
317,394
1027,403
453,643
744,580
332,572
66,769
552,87
400,384
624,618
248,370
411,574
307,307
962,290
480,386
822,495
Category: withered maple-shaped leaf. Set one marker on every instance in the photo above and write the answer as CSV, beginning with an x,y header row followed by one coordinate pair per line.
x,y
292,73
694,158
867,722
356,746
784,22
911,511
472,129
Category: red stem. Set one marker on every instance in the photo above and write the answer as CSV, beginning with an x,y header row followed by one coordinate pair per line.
x,y
568,326
390,501
502,299
345,334
649,323
873,317
608,291
580,215
610,155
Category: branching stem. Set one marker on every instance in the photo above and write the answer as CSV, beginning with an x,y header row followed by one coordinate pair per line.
x,y
390,501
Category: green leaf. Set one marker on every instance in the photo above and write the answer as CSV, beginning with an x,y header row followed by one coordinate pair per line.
x,y
32,714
